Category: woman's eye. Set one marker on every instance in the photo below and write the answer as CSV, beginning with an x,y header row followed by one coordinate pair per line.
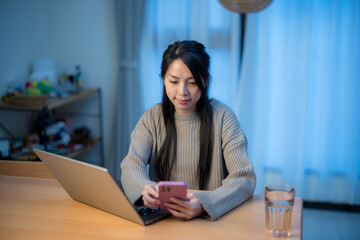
x,y
192,83
173,82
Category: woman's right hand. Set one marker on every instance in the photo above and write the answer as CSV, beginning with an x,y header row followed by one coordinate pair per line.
x,y
150,196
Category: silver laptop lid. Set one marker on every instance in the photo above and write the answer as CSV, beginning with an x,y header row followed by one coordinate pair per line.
x,y
89,184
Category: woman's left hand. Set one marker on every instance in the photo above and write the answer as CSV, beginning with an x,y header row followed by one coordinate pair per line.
x,y
185,209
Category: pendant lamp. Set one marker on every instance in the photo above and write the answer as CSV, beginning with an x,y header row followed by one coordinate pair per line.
x,y
245,6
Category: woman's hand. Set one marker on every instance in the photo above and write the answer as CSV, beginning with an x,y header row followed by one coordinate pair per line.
x,y
185,209
150,196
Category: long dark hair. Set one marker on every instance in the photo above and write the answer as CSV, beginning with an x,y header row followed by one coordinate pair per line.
x,y
195,57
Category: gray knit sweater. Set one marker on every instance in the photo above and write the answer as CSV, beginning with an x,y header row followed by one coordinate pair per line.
x,y
232,178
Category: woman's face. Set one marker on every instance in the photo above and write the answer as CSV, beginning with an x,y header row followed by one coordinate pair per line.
x,y
181,87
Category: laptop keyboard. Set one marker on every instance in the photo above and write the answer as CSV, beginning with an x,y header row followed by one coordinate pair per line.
x,y
146,211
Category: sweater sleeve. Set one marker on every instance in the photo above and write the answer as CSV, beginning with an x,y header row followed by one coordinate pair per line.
x,y
239,184
134,174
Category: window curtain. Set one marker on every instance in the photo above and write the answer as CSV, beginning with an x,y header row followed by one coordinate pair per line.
x,y
299,97
297,94
129,23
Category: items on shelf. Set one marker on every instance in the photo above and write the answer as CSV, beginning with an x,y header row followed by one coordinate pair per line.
x,y
71,83
31,94
58,140
82,135
42,84
81,138
44,68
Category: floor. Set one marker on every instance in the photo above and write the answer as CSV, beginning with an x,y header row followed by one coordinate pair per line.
x,y
330,225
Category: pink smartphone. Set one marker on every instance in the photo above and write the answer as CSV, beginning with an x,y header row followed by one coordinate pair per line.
x,y
168,189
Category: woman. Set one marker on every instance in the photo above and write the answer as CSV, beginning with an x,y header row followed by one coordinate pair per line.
x,y
188,138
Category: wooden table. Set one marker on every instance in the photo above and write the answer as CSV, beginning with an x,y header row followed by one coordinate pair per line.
x,y
38,208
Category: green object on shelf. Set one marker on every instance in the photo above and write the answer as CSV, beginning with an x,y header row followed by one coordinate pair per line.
x,y
32,92
45,86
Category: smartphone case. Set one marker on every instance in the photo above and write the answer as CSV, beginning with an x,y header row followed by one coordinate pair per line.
x,y
168,189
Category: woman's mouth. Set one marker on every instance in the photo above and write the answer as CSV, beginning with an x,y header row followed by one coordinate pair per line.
x,y
182,101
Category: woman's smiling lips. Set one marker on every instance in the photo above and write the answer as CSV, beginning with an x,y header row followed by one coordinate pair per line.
x,y
182,101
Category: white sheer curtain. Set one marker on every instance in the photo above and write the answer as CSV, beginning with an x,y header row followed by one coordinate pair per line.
x,y
297,96
129,23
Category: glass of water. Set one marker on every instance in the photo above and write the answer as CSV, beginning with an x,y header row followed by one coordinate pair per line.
x,y
279,202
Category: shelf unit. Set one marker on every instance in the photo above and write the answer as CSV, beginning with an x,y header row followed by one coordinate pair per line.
x,y
52,104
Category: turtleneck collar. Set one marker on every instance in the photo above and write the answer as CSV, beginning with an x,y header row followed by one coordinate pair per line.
x,y
194,116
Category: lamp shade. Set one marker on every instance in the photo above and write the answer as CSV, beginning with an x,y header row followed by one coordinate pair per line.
x,y
245,6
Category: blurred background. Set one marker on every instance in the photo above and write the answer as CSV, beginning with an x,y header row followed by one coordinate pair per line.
x,y
290,72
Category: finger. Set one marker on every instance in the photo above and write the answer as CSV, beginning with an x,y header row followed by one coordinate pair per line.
x,y
181,203
150,194
178,208
151,203
179,214
192,209
149,199
152,190
190,196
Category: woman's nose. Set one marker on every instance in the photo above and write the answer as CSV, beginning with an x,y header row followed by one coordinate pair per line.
x,y
183,89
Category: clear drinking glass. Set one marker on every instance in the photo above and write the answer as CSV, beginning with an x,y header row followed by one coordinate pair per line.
x,y
279,202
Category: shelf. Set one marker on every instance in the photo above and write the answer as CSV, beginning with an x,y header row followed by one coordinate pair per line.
x,y
71,154
75,153
54,103
51,103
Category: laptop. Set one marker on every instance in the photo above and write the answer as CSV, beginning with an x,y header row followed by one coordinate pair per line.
x,y
94,186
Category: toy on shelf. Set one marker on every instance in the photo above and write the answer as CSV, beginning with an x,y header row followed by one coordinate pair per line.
x,y
32,94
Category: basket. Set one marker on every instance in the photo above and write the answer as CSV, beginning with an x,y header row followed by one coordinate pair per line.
x,y
36,102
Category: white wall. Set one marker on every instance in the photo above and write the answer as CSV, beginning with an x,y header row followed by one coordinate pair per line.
x,y
24,37
69,31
